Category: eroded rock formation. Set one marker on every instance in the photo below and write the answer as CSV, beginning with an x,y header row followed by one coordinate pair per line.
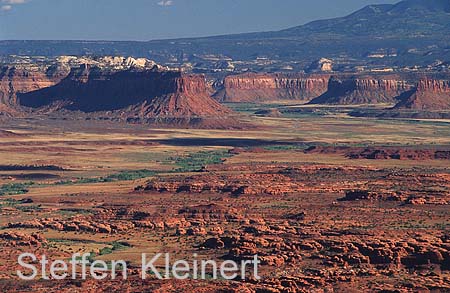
x,y
254,184
430,95
150,96
383,153
270,87
22,79
22,239
343,90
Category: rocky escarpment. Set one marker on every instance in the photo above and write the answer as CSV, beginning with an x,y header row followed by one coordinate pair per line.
x,y
21,74
429,95
348,90
23,79
270,87
339,89
150,96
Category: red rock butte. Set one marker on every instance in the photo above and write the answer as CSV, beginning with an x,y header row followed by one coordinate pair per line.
x,y
351,90
134,96
430,94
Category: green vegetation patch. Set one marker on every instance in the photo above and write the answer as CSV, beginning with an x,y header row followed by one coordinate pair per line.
x,y
74,211
121,176
115,246
21,205
9,202
286,147
29,208
15,188
132,175
196,161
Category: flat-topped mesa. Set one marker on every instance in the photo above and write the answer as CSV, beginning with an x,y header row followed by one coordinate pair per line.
x,y
271,87
353,90
27,74
150,96
430,94
91,89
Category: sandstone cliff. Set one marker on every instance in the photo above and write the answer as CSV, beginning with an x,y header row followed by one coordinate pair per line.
x,y
26,74
150,96
23,79
429,95
347,90
272,87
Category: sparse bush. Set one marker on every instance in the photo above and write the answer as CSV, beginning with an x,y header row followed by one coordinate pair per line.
x,y
121,176
196,161
15,188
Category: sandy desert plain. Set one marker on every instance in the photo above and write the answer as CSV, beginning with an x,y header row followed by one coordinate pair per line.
x,y
329,202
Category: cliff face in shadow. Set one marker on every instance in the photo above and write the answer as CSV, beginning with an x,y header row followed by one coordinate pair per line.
x,y
91,89
429,95
133,95
19,79
354,90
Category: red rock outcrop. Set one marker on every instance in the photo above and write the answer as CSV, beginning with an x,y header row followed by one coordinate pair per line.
x,y
189,98
318,88
353,90
243,184
28,74
21,239
22,79
149,96
15,80
430,94
270,87
383,153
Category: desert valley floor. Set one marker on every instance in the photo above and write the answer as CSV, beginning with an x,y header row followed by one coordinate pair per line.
x,y
331,203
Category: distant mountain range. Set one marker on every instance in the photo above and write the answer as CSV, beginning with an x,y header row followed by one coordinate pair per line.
x,y
411,32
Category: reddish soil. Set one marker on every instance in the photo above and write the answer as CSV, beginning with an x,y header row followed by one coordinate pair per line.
x,y
314,227
4,133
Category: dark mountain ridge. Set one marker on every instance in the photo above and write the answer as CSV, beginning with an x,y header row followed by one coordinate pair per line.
x,y
417,31
385,20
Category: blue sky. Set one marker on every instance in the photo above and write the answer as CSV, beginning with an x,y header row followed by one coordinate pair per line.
x,y
158,19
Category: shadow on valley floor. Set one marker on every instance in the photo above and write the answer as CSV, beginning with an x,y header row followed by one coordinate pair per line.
x,y
233,142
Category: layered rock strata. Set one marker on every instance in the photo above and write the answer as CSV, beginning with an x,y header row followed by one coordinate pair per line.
x,y
272,87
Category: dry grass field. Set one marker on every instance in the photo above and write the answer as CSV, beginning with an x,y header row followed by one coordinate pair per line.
x,y
119,190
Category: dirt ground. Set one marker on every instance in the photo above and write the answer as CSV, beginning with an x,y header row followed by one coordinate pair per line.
x,y
320,222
